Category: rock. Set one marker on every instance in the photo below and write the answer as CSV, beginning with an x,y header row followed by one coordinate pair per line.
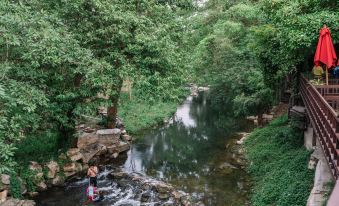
x,y
244,136
163,188
5,179
119,123
16,202
70,167
53,169
85,167
33,194
177,195
108,137
122,183
23,187
146,186
92,151
268,117
227,168
123,146
3,195
41,186
72,151
227,165
69,174
87,139
34,166
252,118
123,132
58,181
202,89
186,202
39,176
11,202
163,196
118,175
145,197
126,138
112,149
115,155
88,130
76,157
62,156
312,163
200,204
28,203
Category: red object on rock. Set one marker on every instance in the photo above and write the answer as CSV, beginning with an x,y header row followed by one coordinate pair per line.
x,y
325,52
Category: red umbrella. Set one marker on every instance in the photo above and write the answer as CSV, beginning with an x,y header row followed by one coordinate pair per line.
x,y
325,52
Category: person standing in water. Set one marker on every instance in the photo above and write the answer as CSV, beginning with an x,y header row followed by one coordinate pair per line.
x,y
92,173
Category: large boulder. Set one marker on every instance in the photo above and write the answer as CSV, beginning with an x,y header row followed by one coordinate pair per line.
x,y
123,146
108,137
53,169
87,139
92,151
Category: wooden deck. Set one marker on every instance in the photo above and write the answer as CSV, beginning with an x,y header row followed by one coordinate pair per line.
x,y
322,104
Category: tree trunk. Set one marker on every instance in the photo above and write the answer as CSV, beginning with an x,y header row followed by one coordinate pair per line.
x,y
112,114
113,110
260,120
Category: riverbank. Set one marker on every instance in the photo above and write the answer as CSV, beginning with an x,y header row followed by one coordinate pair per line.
x,y
45,148
278,165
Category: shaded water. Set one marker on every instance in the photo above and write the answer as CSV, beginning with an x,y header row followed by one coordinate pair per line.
x,y
188,153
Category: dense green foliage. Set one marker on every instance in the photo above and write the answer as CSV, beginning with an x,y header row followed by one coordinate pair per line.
x,y
62,59
278,165
245,48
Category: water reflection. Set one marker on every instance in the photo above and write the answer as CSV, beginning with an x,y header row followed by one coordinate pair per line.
x,y
188,152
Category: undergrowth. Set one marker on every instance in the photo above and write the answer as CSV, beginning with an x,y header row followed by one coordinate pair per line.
x,y
40,147
139,114
278,165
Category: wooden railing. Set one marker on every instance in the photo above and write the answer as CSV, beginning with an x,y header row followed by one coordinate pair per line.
x,y
325,122
333,81
330,93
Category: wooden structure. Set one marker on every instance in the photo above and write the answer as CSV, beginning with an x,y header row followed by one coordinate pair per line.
x,y
322,104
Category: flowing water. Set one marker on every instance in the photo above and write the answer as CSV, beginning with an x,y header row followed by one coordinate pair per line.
x,y
190,152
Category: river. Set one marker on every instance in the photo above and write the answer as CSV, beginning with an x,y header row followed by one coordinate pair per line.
x,y
188,152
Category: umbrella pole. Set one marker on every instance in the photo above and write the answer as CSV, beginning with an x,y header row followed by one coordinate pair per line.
x,y
326,76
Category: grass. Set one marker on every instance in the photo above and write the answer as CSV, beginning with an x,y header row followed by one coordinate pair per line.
x,y
40,147
278,165
141,115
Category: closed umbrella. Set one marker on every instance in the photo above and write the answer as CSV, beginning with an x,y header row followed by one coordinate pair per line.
x,y
325,52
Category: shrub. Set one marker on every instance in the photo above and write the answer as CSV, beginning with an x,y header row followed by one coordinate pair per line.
x,y
278,165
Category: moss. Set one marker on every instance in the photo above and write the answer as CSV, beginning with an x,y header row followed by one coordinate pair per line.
x,y
278,165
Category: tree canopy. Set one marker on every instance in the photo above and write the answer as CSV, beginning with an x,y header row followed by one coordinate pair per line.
x,y
60,58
